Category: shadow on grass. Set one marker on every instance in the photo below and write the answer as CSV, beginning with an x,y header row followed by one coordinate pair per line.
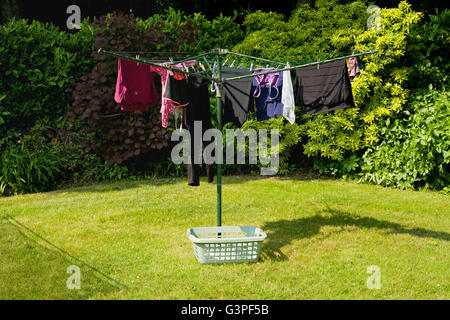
x,y
31,270
283,232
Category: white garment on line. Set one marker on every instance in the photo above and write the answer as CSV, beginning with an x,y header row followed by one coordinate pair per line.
x,y
287,98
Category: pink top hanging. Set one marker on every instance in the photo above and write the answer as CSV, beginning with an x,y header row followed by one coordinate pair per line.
x,y
167,105
135,88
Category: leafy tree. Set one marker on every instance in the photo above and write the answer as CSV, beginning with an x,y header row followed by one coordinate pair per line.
x,y
39,63
415,150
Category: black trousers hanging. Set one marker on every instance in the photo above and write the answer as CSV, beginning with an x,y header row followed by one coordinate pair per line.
x,y
197,110
324,88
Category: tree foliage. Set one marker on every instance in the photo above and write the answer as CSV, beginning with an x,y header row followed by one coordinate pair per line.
x,y
39,63
415,150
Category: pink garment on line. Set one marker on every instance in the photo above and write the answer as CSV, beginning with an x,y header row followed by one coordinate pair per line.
x,y
135,88
353,69
167,105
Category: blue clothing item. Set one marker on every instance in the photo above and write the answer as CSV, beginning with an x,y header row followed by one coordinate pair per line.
x,y
268,106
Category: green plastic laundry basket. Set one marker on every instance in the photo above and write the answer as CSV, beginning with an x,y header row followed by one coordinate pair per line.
x,y
226,244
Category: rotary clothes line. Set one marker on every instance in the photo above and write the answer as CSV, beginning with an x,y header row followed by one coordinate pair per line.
x,y
221,77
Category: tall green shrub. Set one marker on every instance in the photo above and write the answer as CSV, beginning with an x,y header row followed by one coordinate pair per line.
x,y
415,151
311,32
25,168
379,92
39,63
220,32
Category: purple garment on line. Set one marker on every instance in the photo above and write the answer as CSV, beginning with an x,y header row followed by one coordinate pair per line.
x,y
268,94
270,79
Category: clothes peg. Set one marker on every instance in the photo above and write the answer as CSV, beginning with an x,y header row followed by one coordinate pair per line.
x,y
251,66
202,66
225,62
232,64
318,64
137,57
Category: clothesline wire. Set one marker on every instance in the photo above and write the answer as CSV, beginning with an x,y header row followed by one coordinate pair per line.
x,y
278,53
318,62
200,54
237,62
143,61
225,52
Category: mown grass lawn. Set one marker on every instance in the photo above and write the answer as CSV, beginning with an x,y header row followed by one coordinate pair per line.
x,y
322,237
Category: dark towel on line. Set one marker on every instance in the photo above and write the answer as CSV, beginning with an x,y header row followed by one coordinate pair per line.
x,y
323,89
236,96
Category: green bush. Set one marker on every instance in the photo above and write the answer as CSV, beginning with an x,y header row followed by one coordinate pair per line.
x,y
24,170
431,50
380,92
415,151
51,154
327,30
221,32
290,137
436,40
39,63
321,31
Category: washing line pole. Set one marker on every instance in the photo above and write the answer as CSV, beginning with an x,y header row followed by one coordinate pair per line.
x,y
219,153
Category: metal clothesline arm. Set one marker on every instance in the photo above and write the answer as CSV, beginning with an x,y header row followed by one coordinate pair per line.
x,y
143,61
301,66
193,57
220,52
224,52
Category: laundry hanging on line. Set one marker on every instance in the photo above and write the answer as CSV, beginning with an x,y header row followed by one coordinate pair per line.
x,y
316,89
323,88
135,87
167,105
353,69
267,93
236,96
198,110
